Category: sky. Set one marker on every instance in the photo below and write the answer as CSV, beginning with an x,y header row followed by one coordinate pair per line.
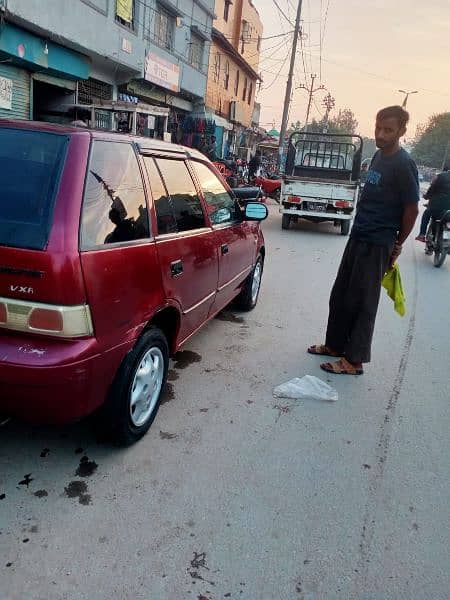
x,y
363,52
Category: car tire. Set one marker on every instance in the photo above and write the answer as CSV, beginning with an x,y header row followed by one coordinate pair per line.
x,y
135,395
248,296
345,227
285,221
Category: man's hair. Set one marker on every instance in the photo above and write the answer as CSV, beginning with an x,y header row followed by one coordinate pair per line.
x,y
396,112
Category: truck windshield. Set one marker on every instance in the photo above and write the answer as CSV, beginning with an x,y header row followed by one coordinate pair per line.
x,y
30,164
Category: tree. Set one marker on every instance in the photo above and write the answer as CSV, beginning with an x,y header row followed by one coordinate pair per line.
x,y
293,127
369,148
432,143
344,122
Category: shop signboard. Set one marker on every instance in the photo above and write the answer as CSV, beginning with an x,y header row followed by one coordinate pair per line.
x,y
6,89
162,72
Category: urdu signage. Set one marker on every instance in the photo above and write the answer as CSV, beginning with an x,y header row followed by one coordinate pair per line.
x,y
6,89
162,72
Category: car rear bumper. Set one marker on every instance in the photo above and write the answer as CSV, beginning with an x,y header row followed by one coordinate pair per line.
x,y
57,382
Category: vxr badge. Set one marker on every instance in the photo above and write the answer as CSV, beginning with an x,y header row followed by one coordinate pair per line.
x,y
21,289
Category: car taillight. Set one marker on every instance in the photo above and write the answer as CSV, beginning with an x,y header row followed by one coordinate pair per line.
x,y
3,313
294,199
35,317
342,204
45,319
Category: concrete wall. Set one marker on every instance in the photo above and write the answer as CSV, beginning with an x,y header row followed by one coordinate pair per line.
x,y
218,98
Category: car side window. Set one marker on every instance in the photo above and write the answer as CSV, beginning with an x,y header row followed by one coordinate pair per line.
x,y
114,205
186,204
163,207
222,207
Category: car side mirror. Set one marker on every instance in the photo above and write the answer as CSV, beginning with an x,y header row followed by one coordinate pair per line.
x,y
255,211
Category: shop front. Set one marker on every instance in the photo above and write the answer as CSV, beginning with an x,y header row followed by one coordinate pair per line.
x,y
37,76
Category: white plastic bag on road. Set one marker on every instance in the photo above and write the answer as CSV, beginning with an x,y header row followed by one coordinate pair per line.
x,y
307,387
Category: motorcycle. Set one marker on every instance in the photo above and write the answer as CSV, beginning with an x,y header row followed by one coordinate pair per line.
x,y
271,186
437,239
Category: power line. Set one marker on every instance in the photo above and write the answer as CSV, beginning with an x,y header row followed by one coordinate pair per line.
x,y
280,10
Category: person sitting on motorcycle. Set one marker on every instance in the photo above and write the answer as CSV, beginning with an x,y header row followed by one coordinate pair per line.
x,y
438,196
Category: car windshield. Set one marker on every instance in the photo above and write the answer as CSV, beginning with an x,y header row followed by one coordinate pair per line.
x,y
30,163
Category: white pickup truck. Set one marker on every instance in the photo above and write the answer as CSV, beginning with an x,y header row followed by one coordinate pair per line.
x,y
322,179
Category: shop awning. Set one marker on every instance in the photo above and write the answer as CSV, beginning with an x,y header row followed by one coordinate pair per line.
x,y
34,53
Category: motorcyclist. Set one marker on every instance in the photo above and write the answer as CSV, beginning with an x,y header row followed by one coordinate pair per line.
x,y
438,196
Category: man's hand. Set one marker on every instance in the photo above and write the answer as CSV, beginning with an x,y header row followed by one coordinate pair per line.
x,y
395,254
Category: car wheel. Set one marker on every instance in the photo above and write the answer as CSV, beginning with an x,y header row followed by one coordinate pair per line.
x,y
285,221
345,227
136,392
248,296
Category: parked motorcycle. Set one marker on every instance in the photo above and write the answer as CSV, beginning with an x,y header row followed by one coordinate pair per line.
x,y
437,240
271,186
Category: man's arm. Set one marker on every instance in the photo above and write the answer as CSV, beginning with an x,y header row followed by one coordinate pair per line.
x,y
408,219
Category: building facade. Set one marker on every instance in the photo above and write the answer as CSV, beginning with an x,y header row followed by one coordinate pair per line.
x,y
125,65
233,75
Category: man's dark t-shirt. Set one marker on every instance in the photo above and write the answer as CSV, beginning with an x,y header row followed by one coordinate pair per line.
x,y
392,183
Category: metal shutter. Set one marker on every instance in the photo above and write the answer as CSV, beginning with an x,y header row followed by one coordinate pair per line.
x,y
20,108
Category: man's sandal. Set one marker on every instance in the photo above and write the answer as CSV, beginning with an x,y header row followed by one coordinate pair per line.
x,y
322,350
342,367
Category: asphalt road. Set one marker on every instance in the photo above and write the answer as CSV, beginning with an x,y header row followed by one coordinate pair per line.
x,y
236,494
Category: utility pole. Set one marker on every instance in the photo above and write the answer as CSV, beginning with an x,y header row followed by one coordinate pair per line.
x,y
311,91
287,97
328,103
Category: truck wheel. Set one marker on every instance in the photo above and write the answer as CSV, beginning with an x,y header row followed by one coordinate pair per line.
x,y
248,296
345,227
285,221
136,392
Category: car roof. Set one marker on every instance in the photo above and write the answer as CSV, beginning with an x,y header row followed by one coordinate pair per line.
x,y
146,143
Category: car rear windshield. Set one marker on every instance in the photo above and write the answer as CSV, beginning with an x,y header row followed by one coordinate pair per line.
x,y
30,166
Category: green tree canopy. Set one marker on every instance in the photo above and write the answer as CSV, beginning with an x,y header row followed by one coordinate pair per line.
x,y
432,143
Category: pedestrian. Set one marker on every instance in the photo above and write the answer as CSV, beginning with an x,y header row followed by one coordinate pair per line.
x,y
438,196
385,216
210,149
253,165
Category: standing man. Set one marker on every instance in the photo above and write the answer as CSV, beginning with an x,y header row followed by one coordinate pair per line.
x,y
253,165
385,216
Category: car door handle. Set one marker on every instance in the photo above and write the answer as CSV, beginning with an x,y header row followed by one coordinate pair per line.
x,y
224,248
176,268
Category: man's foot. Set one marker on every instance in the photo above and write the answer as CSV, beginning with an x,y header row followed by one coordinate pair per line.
x,y
420,238
322,350
343,367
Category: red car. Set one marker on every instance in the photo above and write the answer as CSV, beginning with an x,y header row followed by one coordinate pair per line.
x,y
114,251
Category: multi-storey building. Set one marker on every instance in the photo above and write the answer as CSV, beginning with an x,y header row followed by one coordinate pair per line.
x,y
233,74
130,65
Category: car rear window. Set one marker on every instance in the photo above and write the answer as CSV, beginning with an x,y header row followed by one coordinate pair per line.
x,y
30,164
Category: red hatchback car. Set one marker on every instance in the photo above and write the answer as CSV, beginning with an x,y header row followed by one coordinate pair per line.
x,y
114,251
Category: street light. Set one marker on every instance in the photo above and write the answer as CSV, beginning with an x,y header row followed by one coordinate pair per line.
x,y
406,96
